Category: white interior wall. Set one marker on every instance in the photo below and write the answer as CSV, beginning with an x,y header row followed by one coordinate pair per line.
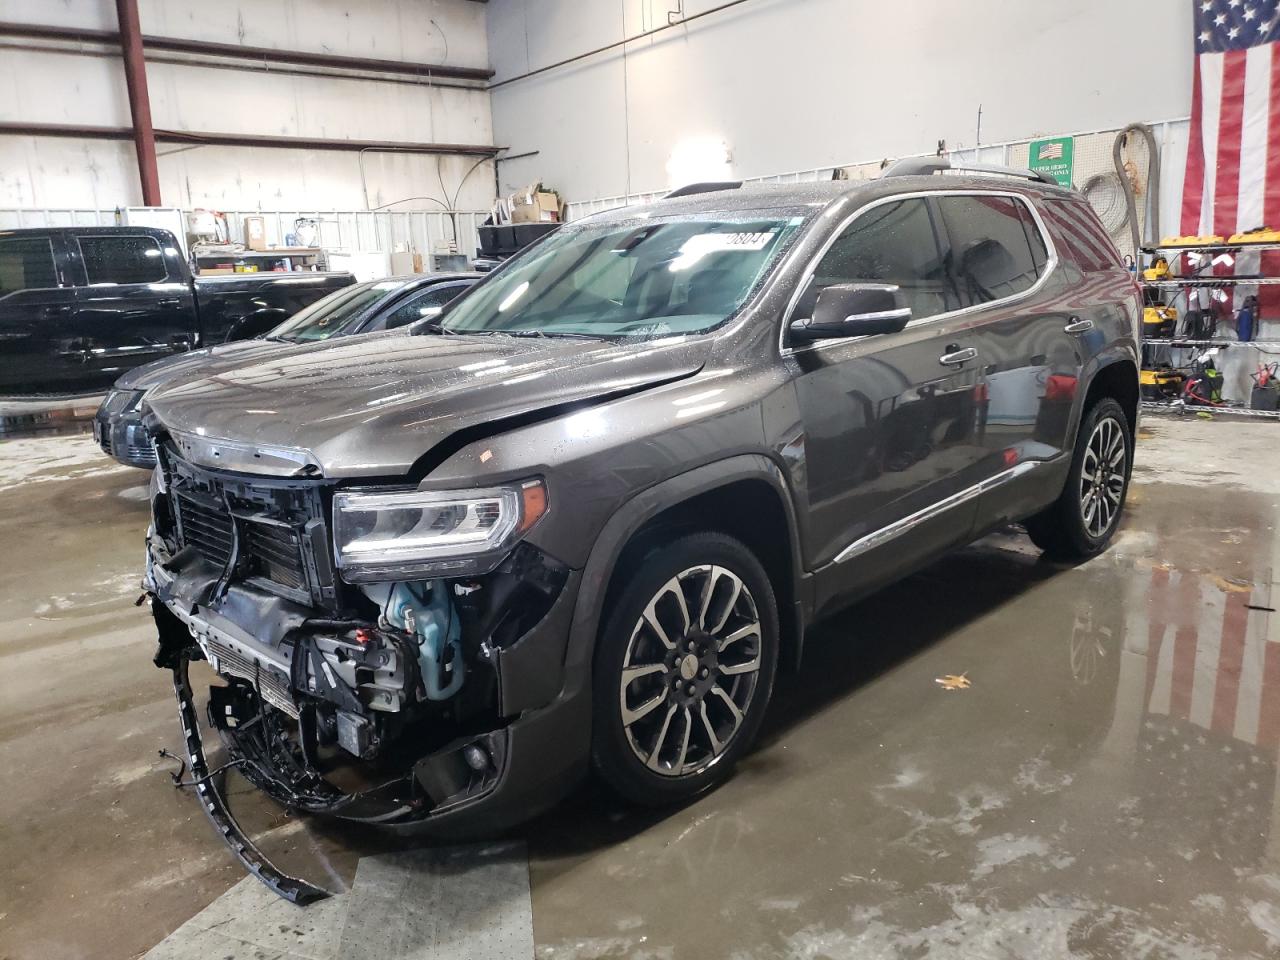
x,y
797,84
45,87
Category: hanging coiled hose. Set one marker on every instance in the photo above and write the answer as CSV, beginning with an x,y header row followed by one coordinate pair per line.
x,y
1136,225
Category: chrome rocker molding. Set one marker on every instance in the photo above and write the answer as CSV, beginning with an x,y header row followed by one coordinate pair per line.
x,y
908,523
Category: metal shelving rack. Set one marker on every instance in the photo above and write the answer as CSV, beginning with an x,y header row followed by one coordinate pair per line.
x,y
1170,252
313,258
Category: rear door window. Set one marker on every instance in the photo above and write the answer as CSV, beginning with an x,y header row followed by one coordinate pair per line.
x,y
897,242
996,248
1079,235
26,263
123,260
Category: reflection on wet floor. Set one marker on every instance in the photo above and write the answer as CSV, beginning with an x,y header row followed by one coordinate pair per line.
x,y
1106,788
47,417
1109,785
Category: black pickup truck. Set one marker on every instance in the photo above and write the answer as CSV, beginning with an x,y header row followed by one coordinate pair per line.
x,y
81,305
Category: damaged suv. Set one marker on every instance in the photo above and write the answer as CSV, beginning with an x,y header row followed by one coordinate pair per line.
x,y
581,519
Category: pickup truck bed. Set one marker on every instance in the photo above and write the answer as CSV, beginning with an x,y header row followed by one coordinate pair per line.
x,y
79,306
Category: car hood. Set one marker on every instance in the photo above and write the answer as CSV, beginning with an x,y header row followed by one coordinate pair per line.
x,y
206,359
375,405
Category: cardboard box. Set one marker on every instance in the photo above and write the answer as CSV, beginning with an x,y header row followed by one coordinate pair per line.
x,y
535,205
405,261
255,233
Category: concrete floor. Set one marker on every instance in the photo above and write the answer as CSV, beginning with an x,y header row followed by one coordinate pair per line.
x,y
1108,787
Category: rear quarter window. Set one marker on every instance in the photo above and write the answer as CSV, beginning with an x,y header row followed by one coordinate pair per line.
x,y
26,263
1079,236
996,249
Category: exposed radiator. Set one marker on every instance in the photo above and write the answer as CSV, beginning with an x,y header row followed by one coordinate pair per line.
x,y
273,685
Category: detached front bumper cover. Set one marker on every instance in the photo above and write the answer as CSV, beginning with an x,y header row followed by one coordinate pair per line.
x,y
292,889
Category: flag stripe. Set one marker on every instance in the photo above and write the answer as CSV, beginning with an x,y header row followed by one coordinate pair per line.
x,y
1185,640
1226,189
1226,694
1157,595
1208,651
1269,296
1193,182
1253,159
1269,715
1211,114
1249,694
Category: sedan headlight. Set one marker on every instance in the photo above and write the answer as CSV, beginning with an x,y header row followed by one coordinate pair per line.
x,y
122,401
410,534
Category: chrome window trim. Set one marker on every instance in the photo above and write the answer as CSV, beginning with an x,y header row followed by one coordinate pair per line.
x,y
896,529
1051,264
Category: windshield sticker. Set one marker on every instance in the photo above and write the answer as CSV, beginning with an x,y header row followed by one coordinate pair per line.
x,y
697,247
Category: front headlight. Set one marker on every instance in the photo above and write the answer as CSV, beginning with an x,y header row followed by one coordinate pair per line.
x,y
122,401
412,534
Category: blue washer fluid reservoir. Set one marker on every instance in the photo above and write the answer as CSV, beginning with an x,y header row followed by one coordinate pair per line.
x,y
424,609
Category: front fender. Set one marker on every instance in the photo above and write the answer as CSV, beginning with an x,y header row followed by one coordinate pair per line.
x,y
622,526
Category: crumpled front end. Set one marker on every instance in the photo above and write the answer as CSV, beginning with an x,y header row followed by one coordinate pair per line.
x,y
386,699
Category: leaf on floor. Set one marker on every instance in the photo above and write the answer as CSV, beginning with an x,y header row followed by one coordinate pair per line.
x,y
953,682
1230,584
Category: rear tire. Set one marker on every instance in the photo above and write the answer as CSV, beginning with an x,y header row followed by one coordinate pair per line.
x,y
683,669
1082,521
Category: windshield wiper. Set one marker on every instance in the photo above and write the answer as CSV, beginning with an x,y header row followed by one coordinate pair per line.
x,y
553,334
435,326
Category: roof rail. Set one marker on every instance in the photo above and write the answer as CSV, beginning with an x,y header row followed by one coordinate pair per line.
x,y
708,186
925,166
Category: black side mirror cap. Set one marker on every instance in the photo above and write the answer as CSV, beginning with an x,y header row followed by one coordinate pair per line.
x,y
854,310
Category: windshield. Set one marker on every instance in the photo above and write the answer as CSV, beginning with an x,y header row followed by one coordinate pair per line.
x,y
638,279
330,314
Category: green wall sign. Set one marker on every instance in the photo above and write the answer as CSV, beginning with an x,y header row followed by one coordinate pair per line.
x,y
1055,157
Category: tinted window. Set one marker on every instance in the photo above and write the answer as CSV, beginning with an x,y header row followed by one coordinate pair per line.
x,y
992,253
1040,250
26,264
123,260
1081,238
893,243
332,314
425,304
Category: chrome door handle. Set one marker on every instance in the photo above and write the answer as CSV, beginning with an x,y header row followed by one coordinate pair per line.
x,y
1078,326
958,357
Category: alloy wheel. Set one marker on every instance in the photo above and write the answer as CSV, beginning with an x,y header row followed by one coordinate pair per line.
x,y
691,668
1102,477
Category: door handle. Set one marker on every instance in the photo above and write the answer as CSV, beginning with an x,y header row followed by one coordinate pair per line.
x,y
957,357
174,302
1078,326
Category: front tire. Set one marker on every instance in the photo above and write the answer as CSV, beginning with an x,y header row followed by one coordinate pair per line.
x,y
1082,521
684,669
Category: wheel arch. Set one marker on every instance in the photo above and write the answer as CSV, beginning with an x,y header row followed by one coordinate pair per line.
x,y
1117,379
1112,375
745,497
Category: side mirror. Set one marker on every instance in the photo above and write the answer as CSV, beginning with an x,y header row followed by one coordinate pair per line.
x,y
854,310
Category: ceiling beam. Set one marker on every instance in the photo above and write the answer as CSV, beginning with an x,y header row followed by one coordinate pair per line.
x,y
206,138
240,52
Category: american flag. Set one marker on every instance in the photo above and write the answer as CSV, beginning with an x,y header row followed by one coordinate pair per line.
x,y
1233,154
